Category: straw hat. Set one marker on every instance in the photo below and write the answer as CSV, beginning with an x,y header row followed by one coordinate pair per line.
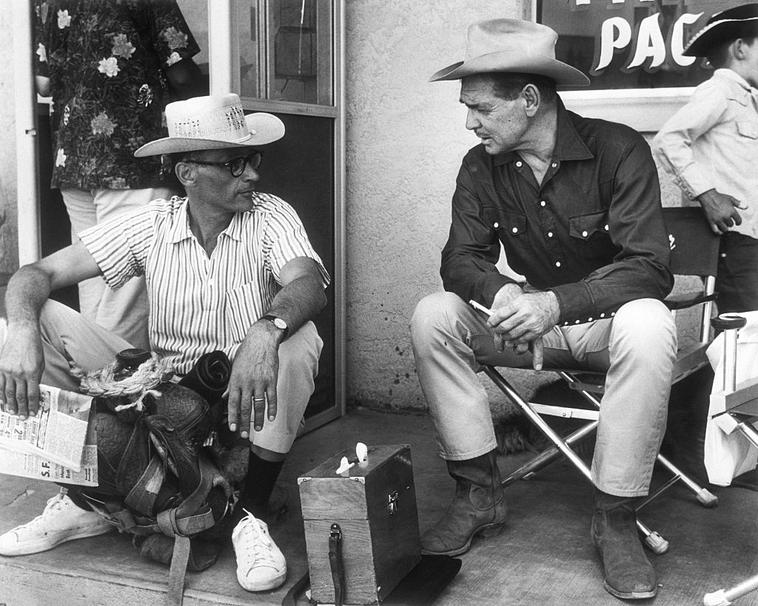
x,y
512,45
733,23
214,122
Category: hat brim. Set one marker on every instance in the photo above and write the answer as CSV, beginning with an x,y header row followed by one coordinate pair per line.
x,y
263,128
719,32
560,72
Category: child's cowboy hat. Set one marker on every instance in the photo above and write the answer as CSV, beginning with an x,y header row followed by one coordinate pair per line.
x,y
214,122
733,23
512,45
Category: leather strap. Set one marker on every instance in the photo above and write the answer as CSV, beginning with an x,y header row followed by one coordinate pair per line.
x,y
143,494
336,564
177,571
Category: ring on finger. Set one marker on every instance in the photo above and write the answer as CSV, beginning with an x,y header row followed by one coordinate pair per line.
x,y
258,399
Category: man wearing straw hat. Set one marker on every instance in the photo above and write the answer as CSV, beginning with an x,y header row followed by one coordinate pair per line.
x,y
575,203
227,267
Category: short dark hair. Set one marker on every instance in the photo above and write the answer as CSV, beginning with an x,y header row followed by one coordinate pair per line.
x,y
719,55
509,85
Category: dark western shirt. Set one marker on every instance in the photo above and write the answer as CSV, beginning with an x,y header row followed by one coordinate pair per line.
x,y
592,232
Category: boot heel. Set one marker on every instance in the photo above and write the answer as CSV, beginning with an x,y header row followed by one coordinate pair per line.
x,y
491,530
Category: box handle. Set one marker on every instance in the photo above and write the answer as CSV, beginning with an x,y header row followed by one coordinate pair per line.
x,y
336,564
392,502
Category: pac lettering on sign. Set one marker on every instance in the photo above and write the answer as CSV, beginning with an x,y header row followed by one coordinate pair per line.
x,y
631,43
646,43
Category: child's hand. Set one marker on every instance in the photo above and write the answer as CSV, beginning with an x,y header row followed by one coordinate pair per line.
x,y
721,210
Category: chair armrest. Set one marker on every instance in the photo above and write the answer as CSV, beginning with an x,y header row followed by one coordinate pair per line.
x,y
686,300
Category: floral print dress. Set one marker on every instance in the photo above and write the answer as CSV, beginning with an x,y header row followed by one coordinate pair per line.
x,y
106,61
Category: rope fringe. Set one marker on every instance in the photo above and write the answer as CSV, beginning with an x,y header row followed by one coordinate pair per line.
x,y
140,383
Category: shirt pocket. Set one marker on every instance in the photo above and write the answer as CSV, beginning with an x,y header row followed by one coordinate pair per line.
x,y
241,310
510,226
748,128
590,235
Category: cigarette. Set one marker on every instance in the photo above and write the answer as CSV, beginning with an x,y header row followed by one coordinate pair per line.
x,y
480,307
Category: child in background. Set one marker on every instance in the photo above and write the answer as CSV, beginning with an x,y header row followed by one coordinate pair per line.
x,y
710,148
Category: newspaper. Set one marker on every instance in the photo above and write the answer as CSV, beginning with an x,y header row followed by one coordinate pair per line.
x,y
53,445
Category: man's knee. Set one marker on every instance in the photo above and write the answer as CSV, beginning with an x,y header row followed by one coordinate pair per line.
x,y
647,326
302,348
433,312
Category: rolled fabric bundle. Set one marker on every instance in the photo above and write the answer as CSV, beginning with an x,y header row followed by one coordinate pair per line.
x,y
209,376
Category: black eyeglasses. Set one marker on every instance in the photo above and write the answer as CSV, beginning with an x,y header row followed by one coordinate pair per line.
x,y
236,166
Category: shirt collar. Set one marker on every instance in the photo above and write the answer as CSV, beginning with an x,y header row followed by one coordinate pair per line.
x,y
180,230
569,144
745,89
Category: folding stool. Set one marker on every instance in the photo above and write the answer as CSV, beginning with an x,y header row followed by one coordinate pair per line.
x,y
694,253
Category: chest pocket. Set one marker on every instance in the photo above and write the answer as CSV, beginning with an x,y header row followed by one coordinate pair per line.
x,y
510,225
748,129
590,234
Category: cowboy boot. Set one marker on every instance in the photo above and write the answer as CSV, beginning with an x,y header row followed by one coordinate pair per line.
x,y
477,508
628,573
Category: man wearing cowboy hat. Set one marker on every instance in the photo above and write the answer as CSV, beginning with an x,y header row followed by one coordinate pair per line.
x,y
710,146
227,268
575,203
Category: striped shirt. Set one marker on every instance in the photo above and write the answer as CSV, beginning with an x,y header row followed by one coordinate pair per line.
x,y
198,303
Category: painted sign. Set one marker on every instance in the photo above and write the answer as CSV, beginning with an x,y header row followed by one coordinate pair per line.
x,y
631,43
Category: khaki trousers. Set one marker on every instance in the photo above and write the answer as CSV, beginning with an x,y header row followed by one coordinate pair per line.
x,y
637,348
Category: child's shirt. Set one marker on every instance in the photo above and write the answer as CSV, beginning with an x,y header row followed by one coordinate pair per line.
x,y
712,143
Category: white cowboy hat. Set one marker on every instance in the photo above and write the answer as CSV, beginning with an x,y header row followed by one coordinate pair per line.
x,y
214,122
512,45
738,22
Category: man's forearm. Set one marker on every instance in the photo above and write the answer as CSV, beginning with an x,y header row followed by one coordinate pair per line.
x,y
27,292
299,301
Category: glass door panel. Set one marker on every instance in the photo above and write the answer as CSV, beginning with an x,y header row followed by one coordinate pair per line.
x,y
286,50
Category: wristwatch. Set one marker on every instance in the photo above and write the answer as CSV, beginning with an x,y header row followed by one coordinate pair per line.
x,y
279,323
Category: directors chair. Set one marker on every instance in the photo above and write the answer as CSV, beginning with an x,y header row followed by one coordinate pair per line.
x,y
694,257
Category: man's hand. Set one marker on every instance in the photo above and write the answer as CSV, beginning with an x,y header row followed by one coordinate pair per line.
x,y
252,385
21,366
720,210
521,322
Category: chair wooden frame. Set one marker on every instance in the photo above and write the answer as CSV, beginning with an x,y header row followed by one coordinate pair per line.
x,y
694,252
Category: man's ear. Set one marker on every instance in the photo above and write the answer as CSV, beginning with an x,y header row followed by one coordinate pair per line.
x,y
185,173
532,99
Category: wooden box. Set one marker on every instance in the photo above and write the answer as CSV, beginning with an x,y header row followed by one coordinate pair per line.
x,y
375,506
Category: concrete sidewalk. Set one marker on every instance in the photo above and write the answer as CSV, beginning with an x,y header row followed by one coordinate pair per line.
x,y
544,557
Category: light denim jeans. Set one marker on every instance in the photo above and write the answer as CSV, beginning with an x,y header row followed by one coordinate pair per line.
x,y
637,348
123,311
69,338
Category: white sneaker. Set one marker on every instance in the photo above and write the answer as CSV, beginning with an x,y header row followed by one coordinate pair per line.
x,y
260,564
61,521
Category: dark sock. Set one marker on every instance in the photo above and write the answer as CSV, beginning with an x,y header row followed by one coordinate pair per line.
x,y
259,484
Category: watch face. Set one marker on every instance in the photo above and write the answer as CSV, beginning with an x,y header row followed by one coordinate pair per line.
x,y
280,324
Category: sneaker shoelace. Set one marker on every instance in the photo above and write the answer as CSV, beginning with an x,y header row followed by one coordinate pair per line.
x,y
54,504
260,549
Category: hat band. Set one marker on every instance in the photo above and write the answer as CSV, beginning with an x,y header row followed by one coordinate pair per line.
x,y
228,123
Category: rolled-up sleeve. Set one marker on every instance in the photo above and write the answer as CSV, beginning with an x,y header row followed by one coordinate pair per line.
x,y
120,245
